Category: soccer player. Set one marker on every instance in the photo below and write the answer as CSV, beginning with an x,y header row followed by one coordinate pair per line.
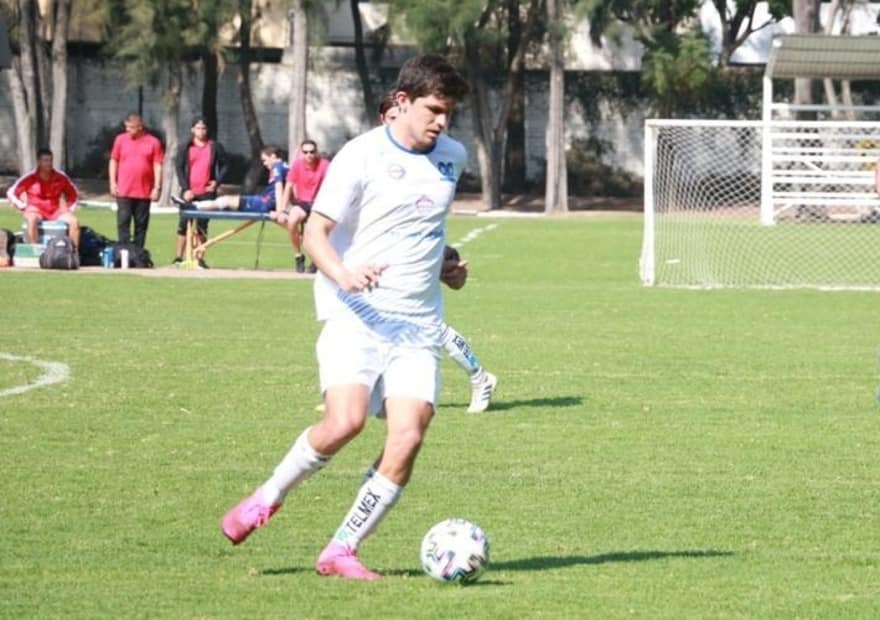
x,y
38,194
483,383
376,233
304,179
264,202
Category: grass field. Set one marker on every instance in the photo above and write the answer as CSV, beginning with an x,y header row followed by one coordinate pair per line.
x,y
652,453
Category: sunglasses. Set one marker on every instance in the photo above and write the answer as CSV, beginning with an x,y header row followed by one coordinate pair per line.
x,y
311,152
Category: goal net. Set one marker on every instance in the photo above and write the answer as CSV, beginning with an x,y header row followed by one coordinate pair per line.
x,y
747,204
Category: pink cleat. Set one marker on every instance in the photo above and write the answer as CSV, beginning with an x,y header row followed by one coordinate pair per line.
x,y
248,515
337,559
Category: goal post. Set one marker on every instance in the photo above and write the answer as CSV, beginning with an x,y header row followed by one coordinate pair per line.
x,y
758,204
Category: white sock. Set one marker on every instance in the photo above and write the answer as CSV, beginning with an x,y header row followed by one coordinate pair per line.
x,y
300,462
460,351
374,499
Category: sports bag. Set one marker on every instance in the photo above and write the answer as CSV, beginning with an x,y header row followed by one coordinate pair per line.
x,y
60,253
91,245
138,257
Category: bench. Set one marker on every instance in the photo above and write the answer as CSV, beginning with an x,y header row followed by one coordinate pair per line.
x,y
194,249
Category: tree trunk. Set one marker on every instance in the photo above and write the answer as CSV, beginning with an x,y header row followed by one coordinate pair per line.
x,y
30,130
169,125
515,163
43,65
27,156
488,159
58,113
806,20
252,125
299,44
211,69
360,59
556,191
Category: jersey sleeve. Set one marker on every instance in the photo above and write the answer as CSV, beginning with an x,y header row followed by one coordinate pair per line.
x,y
116,151
71,194
21,185
158,153
343,183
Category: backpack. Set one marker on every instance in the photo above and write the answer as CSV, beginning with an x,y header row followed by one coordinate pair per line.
x,y
60,253
7,247
91,245
138,257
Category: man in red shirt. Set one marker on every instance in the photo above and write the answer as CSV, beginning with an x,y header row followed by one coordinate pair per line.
x,y
135,178
303,182
201,165
38,194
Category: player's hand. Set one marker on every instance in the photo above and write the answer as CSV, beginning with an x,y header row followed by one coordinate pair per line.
x,y
211,187
188,195
363,278
154,194
454,273
112,188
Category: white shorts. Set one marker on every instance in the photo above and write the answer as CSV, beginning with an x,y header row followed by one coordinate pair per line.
x,y
350,353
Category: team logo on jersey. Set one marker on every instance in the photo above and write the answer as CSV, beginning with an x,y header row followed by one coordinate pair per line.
x,y
447,169
424,204
396,171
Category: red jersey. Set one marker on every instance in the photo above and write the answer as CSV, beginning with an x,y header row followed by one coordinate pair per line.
x,y
136,158
306,181
199,167
44,194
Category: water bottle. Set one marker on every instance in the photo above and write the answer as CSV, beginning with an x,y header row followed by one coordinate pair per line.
x,y
107,258
123,258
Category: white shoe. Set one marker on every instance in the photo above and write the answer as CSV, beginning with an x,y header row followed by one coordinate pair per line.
x,y
482,392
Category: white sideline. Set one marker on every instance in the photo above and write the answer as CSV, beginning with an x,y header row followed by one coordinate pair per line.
x,y
53,372
473,234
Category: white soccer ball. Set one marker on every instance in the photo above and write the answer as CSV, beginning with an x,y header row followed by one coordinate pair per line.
x,y
455,551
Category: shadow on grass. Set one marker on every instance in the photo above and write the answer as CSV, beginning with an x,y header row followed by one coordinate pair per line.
x,y
504,405
550,561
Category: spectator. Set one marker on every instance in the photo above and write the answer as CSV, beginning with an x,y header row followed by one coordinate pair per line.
x,y
135,178
38,194
264,202
201,165
303,182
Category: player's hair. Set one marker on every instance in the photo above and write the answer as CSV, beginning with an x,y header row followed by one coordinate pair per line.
x,y
388,101
199,119
431,74
133,116
44,151
309,141
271,149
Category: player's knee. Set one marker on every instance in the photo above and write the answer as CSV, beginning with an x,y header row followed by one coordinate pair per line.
x,y
344,424
406,442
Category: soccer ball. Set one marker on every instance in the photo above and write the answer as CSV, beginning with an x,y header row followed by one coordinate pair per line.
x,y
455,551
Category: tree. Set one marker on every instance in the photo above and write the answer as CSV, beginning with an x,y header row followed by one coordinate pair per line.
x,y
58,112
556,190
360,58
515,163
475,32
806,20
251,123
211,15
298,59
738,23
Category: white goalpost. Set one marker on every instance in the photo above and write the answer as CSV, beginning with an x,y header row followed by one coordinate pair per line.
x,y
755,204
774,203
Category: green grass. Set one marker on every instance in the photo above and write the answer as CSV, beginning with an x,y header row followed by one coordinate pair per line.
x,y
652,453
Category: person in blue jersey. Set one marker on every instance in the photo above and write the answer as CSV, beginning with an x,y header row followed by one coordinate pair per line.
x,y
377,235
264,202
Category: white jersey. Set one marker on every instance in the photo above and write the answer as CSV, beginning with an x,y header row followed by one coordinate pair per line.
x,y
390,204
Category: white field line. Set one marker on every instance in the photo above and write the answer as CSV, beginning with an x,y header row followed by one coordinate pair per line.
x,y
475,233
53,372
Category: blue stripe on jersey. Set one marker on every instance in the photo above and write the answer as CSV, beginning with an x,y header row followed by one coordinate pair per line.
x,y
403,148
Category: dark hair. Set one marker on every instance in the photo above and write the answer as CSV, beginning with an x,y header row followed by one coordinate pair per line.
x,y
44,151
199,119
309,141
271,149
388,101
133,116
431,74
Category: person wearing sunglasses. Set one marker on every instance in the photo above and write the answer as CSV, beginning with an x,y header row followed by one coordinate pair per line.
x,y
303,182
